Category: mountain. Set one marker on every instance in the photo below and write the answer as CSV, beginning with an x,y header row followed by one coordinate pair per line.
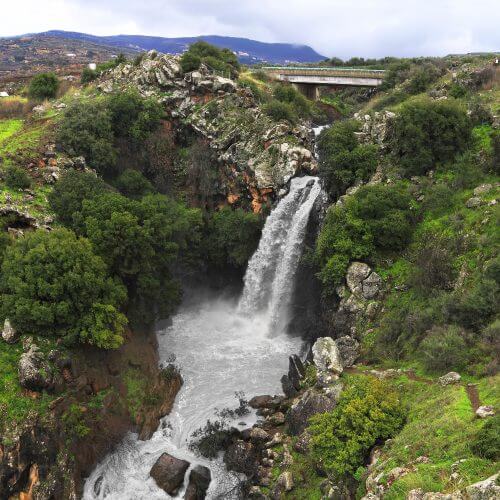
x,y
249,51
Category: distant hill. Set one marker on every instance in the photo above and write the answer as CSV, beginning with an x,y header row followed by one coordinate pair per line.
x,y
248,51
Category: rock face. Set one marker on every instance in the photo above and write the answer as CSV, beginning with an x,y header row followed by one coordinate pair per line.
x,y
311,403
375,128
326,355
484,490
9,335
449,378
349,350
199,481
291,382
34,372
168,472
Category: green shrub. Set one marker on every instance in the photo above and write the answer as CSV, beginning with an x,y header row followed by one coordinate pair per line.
x,y
53,284
223,60
444,349
428,132
88,75
486,443
68,194
17,178
369,411
43,86
288,94
133,184
87,130
342,160
278,111
421,77
457,90
233,236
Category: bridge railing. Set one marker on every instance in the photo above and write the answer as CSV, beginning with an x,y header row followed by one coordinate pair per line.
x,y
305,71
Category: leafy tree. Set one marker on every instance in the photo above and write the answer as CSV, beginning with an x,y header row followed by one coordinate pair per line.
x,y
133,184
428,132
369,410
233,236
342,160
218,59
69,192
17,178
53,284
87,130
43,86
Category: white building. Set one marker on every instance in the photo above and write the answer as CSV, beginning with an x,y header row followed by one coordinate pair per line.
x,y
4,94
93,66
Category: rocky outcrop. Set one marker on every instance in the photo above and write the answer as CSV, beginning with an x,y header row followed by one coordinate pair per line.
x,y
35,374
9,334
326,356
168,472
449,378
199,481
485,411
375,128
291,382
349,350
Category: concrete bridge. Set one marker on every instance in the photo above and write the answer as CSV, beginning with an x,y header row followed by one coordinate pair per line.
x,y
308,80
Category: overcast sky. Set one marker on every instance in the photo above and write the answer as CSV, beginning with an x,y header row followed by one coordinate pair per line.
x,y
343,28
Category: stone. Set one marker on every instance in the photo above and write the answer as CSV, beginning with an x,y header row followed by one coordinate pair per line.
x,y
356,273
449,378
258,435
489,489
326,355
371,286
34,373
311,403
302,443
417,494
168,472
258,402
285,481
199,481
396,473
256,493
241,457
482,189
275,441
288,388
9,334
277,418
473,202
296,371
485,411
349,350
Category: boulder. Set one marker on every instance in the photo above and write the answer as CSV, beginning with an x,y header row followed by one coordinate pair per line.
x,y
296,371
326,355
288,388
349,350
258,435
371,286
485,411
302,443
199,481
9,335
259,402
356,273
489,489
34,372
482,189
473,202
311,403
241,457
168,472
449,378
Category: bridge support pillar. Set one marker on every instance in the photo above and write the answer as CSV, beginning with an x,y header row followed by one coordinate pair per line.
x,y
309,90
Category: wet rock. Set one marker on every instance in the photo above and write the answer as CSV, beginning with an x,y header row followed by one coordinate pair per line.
x,y
258,435
449,378
199,481
241,457
277,418
34,373
311,403
296,371
326,355
9,334
485,411
349,350
168,472
258,402
288,388
302,444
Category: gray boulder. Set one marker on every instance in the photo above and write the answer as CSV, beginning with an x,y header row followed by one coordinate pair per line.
x,y
449,378
356,273
168,472
349,350
199,481
326,355
9,335
473,202
311,403
34,372
485,411
489,489
371,286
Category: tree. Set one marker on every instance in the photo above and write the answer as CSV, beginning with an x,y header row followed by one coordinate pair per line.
x,y
223,60
87,130
133,184
43,86
369,410
53,284
69,192
428,132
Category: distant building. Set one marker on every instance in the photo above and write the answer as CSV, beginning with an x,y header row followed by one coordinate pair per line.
x,y
70,55
93,66
4,94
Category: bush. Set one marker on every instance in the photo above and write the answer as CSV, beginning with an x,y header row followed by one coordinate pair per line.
x,y
288,94
223,60
421,77
17,178
43,86
88,75
444,349
486,443
133,184
369,411
427,132
87,130
342,160
53,284
233,236
68,194
278,111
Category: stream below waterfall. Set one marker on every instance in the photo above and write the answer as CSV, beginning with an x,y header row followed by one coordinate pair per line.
x,y
222,346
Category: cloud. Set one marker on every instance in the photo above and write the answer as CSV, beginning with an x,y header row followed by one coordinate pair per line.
x,y
345,28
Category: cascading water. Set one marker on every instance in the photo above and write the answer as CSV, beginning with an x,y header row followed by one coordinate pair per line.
x,y
221,347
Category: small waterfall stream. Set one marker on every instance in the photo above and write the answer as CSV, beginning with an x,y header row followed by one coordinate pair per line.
x,y
221,345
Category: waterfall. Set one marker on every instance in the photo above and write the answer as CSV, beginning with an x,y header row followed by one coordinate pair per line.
x,y
269,280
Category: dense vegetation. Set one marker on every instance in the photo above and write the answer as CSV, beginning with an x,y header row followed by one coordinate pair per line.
x,y
43,86
222,61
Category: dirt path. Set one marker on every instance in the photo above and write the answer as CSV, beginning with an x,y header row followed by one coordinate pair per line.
x,y
473,395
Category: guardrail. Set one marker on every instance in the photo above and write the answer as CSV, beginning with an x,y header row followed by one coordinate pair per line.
x,y
307,71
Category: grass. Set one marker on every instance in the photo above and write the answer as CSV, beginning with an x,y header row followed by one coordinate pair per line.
x,y
9,128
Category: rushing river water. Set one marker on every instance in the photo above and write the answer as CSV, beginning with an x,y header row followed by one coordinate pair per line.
x,y
222,345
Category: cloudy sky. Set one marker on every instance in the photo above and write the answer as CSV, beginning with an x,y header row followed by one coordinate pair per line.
x,y
342,28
